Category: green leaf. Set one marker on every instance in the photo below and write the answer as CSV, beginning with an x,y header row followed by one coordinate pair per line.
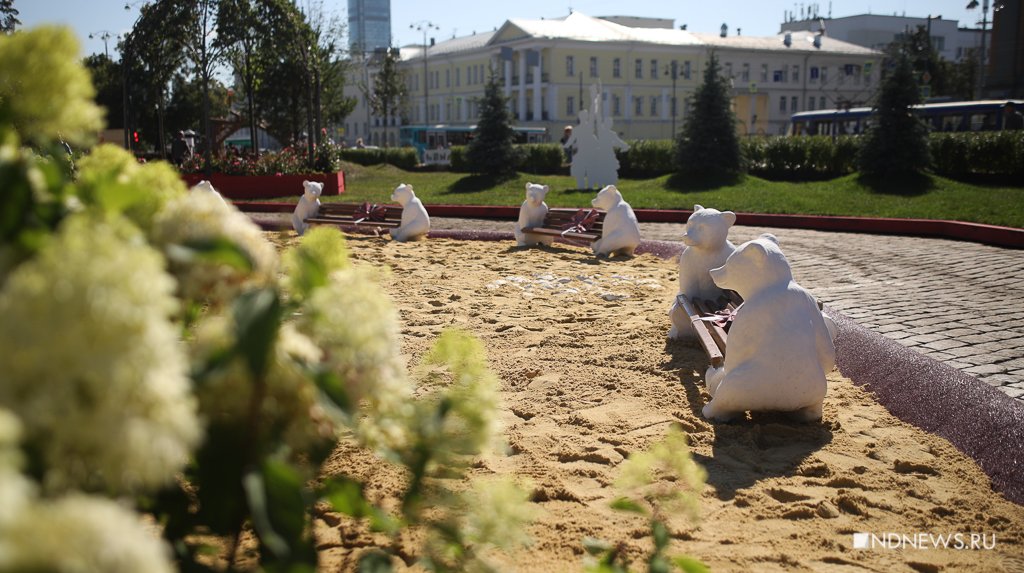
x,y
626,504
217,250
374,562
690,565
595,546
257,316
660,534
115,198
256,495
288,497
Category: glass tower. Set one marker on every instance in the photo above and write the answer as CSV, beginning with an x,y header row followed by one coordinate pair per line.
x,y
369,25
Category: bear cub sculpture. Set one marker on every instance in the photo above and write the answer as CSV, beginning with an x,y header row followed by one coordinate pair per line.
x,y
309,205
707,247
780,348
205,186
621,231
531,214
415,222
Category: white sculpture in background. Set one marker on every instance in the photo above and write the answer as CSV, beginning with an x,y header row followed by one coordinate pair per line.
x,y
531,214
205,186
415,221
309,205
620,233
594,164
707,247
780,346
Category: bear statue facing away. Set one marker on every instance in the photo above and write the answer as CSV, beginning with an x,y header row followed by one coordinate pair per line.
x,y
531,214
707,247
309,205
621,231
415,221
780,347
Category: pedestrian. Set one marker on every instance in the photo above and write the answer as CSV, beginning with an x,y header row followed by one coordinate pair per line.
x,y
178,149
566,136
1012,119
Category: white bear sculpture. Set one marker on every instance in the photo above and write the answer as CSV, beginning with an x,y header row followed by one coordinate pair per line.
x,y
707,247
309,205
205,186
531,214
621,231
415,222
780,347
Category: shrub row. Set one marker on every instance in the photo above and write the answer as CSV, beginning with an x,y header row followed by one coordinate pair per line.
x,y
999,153
800,158
401,157
647,158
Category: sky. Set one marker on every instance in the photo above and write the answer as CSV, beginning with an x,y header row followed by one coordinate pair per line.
x,y
462,17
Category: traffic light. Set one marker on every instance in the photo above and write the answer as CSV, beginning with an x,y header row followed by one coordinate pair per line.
x,y
135,136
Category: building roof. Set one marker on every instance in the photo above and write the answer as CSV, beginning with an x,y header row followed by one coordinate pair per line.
x,y
450,46
802,41
579,26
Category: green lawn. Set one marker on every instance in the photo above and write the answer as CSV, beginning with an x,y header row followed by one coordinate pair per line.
x,y
934,198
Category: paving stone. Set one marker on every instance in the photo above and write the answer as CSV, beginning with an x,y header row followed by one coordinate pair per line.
x,y
944,344
985,369
1017,393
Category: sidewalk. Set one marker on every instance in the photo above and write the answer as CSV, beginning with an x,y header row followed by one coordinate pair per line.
x,y
957,302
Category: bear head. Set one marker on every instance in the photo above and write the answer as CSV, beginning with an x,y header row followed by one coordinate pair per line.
x,y
312,189
204,185
753,266
607,198
535,193
708,228
402,194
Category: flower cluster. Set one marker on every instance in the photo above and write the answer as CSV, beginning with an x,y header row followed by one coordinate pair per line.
x,y
288,161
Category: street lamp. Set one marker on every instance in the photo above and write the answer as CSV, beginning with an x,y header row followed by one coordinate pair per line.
x,y
424,26
103,35
984,24
673,70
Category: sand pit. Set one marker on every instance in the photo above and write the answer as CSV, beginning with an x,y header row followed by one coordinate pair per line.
x,y
587,378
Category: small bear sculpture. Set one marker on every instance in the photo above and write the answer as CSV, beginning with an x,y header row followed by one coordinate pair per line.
x,y
707,247
780,348
415,222
621,231
531,214
309,205
205,186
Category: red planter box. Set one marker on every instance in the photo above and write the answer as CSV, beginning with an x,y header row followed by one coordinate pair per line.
x,y
268,186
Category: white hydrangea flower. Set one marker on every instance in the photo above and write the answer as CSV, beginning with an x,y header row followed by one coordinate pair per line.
x,y
79,533
15,490
92,362
357,326
497,513
205,217
291,403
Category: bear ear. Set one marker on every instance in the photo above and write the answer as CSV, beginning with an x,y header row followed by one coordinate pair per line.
x,y
545,188
770,237
697,208
304,183
729,217
528,185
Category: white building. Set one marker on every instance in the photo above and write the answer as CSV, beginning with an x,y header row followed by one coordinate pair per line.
x,y
547,67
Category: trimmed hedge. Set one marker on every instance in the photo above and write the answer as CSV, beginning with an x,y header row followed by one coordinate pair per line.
x,y
800,158
401,157
999,153
540,158
646,158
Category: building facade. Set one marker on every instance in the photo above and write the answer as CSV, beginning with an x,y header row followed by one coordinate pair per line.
x,y
548,66
369,25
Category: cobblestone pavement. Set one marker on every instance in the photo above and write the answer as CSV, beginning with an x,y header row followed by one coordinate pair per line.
x,y
960,303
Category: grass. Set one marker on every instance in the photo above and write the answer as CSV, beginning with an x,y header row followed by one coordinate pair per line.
x,y
930,197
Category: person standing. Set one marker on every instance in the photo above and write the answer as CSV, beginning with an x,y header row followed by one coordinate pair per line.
x,y
1012,119
179,148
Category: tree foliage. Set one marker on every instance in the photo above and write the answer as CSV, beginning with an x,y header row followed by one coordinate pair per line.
x,y
491,152
8,17
388,92
707,147
944,78
896,145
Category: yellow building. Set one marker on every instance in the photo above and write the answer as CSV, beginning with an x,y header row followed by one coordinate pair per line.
x,y
548,66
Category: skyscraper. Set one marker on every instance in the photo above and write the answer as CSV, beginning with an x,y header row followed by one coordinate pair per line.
x,y
369,25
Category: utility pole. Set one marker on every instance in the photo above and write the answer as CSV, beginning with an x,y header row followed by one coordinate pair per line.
x,y
424,26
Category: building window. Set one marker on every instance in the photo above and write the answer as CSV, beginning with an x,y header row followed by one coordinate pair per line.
x,y
764,72
810,103
686,69
654,106
814,74
447,78
728,70
570,66
745,74
570,106
616,68
593,66
639,69
824,74
654,69
821,102
796,73
638,106
794,104
458,77
782,104
616,105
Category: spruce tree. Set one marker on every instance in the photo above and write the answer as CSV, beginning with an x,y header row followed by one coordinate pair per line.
x,y
896,145
707,148
491,152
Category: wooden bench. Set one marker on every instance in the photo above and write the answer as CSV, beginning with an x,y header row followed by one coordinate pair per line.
x,y
711,334
583,224
365,215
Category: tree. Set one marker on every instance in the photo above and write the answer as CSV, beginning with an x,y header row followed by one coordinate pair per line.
x,y
491,152
389,89
707,148
896,146
8,17
107,77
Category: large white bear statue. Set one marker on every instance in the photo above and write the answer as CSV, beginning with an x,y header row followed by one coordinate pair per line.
x,y
531,214
415,222
621,231
707,247
309,205
780,348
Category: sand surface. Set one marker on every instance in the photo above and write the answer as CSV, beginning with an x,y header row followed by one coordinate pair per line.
x,y
588,376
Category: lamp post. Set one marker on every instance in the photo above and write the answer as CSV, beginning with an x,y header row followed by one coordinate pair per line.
x,y
103,35
981,57
424,26
124,74
673,71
